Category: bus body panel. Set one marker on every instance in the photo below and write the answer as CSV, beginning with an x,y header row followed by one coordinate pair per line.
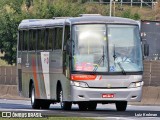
x,y
94,94
112,81
44,81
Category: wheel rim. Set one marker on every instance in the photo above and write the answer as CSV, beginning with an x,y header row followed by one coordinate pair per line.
x,y
61,99
32,96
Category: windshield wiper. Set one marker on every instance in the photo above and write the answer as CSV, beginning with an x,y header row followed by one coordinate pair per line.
x,y
119,64
123,71
99,61
114,54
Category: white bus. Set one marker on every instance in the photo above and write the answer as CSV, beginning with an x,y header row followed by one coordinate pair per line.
x,y
80,60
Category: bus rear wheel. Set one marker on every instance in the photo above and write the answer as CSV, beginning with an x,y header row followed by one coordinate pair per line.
x,y
121,105
34,102
64,105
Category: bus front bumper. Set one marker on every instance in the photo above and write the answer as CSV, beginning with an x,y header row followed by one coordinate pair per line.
x,y
99,95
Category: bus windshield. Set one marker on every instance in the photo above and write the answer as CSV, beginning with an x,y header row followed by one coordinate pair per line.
x,y
124,48
100,48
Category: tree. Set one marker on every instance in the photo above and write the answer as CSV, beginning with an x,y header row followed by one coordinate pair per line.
x,y
10,17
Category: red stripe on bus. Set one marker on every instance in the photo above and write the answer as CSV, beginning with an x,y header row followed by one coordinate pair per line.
x,y
83,77
35,77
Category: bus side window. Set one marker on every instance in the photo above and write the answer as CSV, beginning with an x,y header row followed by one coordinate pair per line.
x,y
46,39
32,40
20,40
66,36
42,39
58,39
51,35
38,39
25,41
29,39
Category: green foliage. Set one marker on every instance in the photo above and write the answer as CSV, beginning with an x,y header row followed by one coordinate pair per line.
x,y
58,9
29,3
128,14
8,37
136,16
9,20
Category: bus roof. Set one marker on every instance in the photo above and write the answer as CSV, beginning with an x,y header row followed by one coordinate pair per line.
x,y
40,23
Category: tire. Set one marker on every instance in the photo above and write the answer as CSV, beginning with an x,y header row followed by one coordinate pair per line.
x,y
35,103
121,105
64,105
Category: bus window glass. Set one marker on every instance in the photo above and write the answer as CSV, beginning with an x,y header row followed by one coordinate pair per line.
x,y
33,40
89,48
124,48
25,42
38,39
58,35
51,34
42,39
46,39
20,40
66,34
29,39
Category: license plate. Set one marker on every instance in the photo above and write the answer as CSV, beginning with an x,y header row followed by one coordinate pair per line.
x,y
107,95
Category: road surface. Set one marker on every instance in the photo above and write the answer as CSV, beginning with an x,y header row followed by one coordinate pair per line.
x,y
107,111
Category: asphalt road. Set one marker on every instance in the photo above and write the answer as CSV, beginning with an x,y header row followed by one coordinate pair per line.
x,y
107,111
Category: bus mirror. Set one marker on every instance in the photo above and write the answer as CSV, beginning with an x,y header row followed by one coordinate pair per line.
x,y
146,49
64,48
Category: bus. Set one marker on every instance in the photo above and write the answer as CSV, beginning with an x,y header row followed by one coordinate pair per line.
x,y
85,60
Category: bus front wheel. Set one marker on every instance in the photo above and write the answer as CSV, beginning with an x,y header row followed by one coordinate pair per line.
x,y
34,102
121,105
64,105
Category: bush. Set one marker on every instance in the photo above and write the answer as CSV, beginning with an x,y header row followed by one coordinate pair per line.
x,y
128,14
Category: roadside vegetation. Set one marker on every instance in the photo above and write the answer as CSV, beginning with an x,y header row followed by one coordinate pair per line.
x,y
13,11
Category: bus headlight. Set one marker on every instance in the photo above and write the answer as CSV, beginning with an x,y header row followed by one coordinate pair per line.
x,y
136,84
79,84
